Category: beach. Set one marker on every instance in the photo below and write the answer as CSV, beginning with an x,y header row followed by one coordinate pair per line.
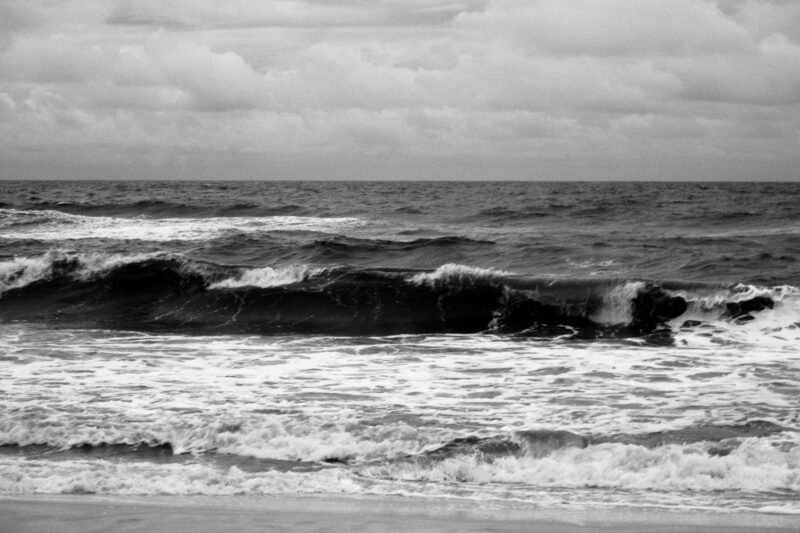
x,y
308,513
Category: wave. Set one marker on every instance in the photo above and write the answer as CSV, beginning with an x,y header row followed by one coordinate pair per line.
x,y
352,244
168,292
273,438
314,441
754,465
307,247
757,456
754,456
721,440
268,277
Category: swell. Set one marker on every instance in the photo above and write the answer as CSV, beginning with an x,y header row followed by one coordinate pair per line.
x,y
505,214
351,244
312,247
162,292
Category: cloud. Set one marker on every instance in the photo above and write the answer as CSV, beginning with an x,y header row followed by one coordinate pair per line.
x,y
766,18
410,81
184,74
52,109
212,81
8,107
15,16
49,59
768,74
286,13
606,28
601,54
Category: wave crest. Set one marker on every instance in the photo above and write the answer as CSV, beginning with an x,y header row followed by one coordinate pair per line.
x,y
269,277
462,274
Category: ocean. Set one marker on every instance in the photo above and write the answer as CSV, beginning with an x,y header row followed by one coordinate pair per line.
x,y
554,345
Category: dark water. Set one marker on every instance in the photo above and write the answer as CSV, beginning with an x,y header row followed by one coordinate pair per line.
x,y
347,258
553,344
716,232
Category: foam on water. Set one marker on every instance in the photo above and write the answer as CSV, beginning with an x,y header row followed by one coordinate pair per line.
x,y
379,408
58,226
756,465
365,399
228,375
22,271
759,475
269,277
772,329
22,476
277,437
616,308
455,273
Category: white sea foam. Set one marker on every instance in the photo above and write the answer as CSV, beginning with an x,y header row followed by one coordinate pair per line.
x,y
713,298
673,475
22,476
314,398
756,465
617,304
22,271
372,402
269,277
265,437
454,273
774,329
57,226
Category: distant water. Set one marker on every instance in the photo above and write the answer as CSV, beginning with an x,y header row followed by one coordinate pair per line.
x,y
554,344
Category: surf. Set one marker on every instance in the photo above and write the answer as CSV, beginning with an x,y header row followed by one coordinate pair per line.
x,y
170,292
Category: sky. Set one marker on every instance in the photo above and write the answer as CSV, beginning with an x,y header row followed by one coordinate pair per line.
x,y
400,89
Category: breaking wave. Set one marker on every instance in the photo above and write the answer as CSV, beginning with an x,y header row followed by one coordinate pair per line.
x,y
173,293
754,465
756,456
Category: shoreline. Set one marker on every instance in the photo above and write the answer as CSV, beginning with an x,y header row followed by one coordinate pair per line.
x,y
115,513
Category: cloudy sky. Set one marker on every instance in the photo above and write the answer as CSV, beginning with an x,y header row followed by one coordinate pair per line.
x,y
413,89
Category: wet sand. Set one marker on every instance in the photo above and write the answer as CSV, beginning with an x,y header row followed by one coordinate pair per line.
x,y
201,514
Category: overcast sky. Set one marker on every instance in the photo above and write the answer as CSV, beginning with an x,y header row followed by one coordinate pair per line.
x,y
414,89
